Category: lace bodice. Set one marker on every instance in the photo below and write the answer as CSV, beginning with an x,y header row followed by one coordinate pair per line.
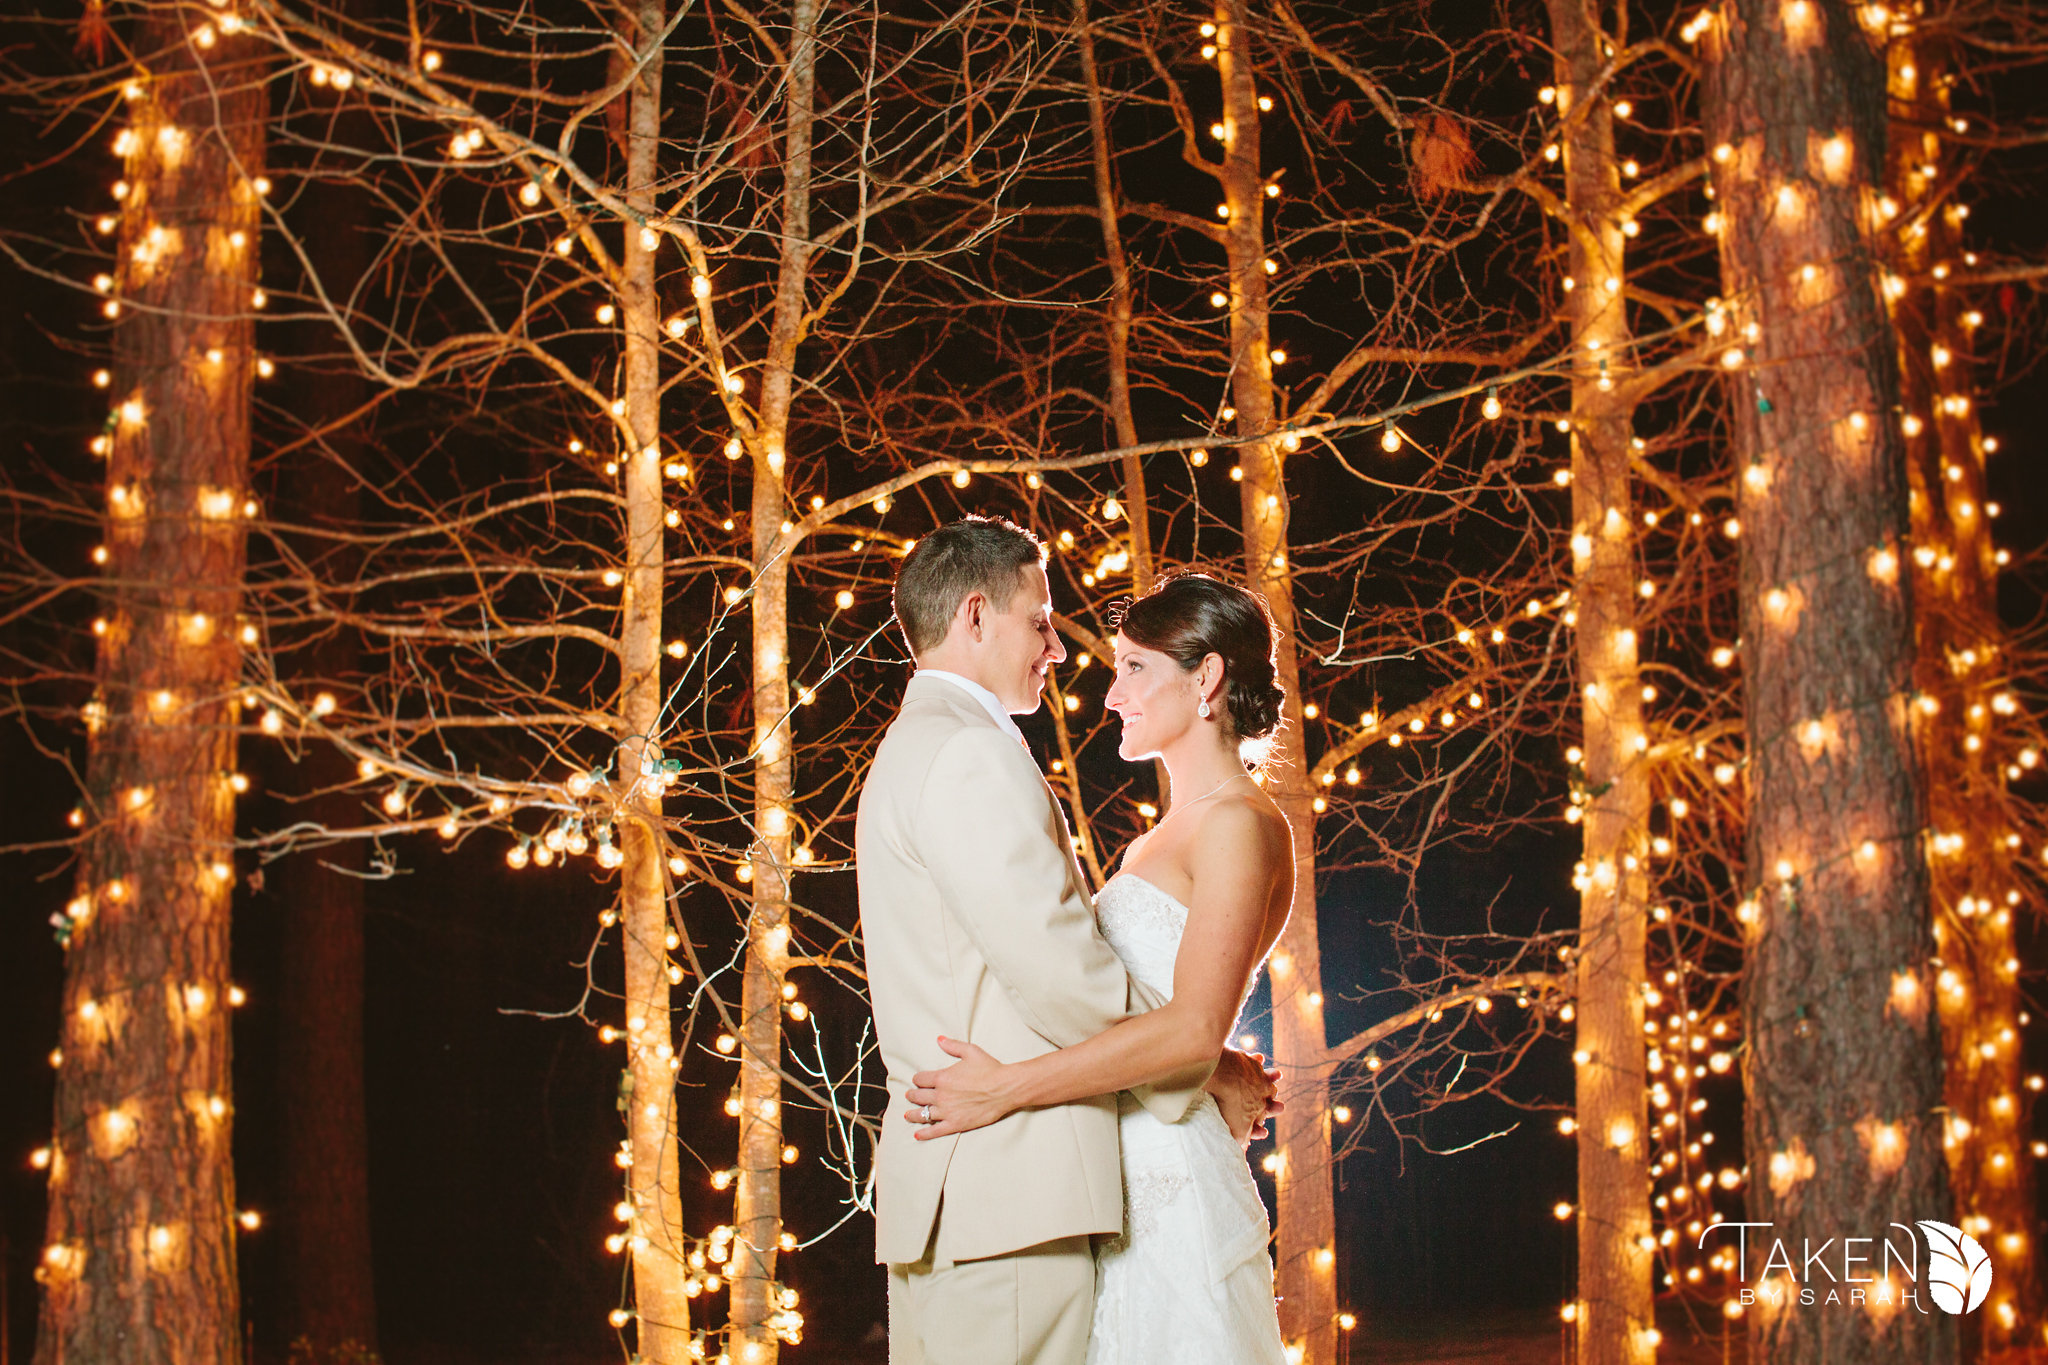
x,y
1188,1282
1143,924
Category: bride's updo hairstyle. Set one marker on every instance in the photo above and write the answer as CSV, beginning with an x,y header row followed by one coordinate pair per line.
x,y
1191,616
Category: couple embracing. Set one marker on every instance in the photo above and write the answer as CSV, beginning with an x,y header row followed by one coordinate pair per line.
x,y
1061,1176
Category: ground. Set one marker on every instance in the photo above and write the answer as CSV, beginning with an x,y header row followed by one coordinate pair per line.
x,y
1531,1338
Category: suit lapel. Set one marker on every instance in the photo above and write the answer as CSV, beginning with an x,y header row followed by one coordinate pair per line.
x,y
1076,879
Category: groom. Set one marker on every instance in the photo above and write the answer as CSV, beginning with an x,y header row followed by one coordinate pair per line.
x,y
976,923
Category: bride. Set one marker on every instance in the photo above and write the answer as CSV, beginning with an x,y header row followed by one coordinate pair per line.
x,y
1198,904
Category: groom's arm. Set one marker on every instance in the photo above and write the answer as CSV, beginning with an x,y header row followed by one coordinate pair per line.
x,y
981,832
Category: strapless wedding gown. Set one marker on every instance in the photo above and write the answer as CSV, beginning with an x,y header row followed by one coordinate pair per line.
x,y
1189,1282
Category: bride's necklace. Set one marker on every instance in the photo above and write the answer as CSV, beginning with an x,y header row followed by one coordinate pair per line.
x,y
1181,806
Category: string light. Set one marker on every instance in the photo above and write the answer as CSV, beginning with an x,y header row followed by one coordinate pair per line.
x,y
1491,408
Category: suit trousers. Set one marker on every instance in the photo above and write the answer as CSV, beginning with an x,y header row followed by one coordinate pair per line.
x,y
1030,1307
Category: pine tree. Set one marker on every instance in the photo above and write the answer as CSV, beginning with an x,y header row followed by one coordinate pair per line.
x,y
1963,666
1843,1073
323,1222
140,1257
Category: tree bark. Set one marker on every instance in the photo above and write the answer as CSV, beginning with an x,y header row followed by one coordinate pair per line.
x,y
1615,1302
324,1223
1117,328
1307,1224
1137,500
757,1207
140,1260
323,1226
1960,648
1843,1065
658,1239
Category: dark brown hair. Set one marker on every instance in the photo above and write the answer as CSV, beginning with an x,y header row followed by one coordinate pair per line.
x,y
1189,617
987,555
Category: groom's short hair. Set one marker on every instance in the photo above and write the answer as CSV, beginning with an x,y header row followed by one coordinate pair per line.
x,y
975,554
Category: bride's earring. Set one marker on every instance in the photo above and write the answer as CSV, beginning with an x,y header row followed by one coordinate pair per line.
x,y
1203,710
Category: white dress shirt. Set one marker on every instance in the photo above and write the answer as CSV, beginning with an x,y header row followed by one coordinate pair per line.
x,y
990,702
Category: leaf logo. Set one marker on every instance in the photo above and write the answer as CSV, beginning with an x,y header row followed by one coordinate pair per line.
x,y
1958,1269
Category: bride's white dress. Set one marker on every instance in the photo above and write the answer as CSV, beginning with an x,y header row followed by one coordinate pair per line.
x,y
1189,1282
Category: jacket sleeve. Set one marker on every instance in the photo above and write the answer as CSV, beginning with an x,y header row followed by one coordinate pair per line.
x,y
990,838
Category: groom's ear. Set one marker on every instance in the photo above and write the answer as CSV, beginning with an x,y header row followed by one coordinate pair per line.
x,y
972,608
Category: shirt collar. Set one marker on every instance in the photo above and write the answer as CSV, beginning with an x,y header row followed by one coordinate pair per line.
x,y
989,701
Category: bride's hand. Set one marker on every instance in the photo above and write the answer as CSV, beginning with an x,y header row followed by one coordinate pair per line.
x,y
967,1095
1245,1090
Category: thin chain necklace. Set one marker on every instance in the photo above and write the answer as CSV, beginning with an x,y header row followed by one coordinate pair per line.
x,y
1203,797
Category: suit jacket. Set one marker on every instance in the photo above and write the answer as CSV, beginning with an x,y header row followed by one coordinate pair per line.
x,y
976,923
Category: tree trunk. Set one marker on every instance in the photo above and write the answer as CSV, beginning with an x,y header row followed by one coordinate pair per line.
x,y
1137,500
1843,1068
323,1224
758,1321
1959,665
1117,330
139,1264
1615,1304
659,1248
1307,1225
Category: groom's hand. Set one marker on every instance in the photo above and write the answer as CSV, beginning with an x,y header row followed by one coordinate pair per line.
x,y
1247,1091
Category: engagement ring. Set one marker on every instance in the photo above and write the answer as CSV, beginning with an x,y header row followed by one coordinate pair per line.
x,y
927,1113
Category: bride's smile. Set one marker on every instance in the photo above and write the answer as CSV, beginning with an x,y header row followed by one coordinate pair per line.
x,y
1152,698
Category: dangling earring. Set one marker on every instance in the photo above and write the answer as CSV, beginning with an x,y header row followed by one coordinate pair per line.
x,y
1203,710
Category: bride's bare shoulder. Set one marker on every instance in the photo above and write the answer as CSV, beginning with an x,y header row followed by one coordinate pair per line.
x,y
1245,825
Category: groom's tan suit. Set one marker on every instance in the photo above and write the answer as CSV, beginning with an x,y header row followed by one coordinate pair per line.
x,y
976,923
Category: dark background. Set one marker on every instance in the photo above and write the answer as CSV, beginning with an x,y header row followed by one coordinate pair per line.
x,y
492,1130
